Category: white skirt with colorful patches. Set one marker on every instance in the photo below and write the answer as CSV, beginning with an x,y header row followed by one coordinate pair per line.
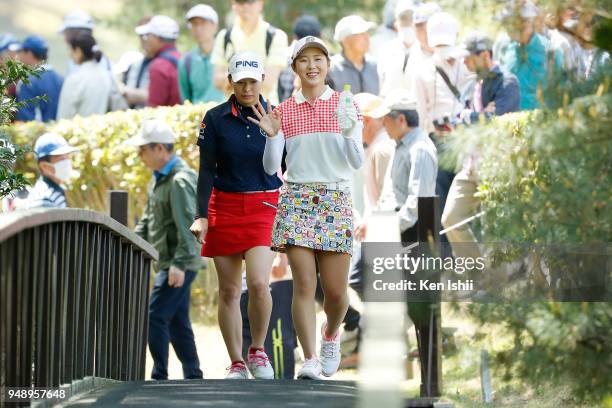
x,y
316,216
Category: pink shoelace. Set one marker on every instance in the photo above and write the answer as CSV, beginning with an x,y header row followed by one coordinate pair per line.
x,y
236,367
261,359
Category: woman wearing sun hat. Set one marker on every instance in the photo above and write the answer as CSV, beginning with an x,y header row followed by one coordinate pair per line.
x,y
235,213
320,129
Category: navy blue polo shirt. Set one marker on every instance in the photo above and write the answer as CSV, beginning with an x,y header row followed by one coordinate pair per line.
x,y
231,153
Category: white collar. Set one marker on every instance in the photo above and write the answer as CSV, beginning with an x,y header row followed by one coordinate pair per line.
x,y
299,96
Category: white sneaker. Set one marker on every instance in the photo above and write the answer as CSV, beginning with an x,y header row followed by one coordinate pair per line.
x,y
311,370
259,365
237,371
330,353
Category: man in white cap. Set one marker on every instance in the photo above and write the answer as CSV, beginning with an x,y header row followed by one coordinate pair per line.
x,y
158,37
367,183
394,68
439,86
379,149
74,23
415,164
249,32
440,81
195,67
53,154
352,66
165,223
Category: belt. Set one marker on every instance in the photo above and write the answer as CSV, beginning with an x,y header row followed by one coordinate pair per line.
x,y
261,191
332,185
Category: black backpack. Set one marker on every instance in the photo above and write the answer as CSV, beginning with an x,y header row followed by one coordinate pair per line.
x,y
227,40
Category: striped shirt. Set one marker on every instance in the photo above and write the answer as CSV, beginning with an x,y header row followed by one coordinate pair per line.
x,y
412,175
44,194
317,151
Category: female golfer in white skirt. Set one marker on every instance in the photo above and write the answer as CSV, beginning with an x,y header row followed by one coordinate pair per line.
x,y
314,218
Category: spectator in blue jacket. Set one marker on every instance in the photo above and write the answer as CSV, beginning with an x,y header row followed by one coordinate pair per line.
x,y
33,51
530,57
496,91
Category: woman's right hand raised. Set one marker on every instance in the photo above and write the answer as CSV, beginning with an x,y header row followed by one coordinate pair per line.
x,y
199,228
268,121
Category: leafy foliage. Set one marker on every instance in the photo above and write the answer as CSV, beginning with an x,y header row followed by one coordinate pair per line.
x,y
11,72
544,179
104,162
556,343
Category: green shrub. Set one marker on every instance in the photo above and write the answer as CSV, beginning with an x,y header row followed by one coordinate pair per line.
x,y
545,180
103,162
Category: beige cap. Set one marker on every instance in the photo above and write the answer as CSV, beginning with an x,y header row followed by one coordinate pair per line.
x,y
399,100
371,105
352,25
152,131
308,42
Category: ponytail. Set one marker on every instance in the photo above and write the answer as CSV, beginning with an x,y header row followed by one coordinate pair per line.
x,y
97,53
88,46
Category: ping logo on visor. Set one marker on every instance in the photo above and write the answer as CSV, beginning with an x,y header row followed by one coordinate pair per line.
x,y
251,64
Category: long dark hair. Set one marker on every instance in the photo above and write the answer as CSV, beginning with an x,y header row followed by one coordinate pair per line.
x,y
87,44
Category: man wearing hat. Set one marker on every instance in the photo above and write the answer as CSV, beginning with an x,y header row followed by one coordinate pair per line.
x,y
352,66
195,67
158,37
379,147
412,175
75,23
496,93
249,32
415,164
440,80
55,167
439,85
33,51
378,151
165,223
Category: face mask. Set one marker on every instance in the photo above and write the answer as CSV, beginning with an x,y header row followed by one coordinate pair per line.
x,y
445,52
63,169
407,35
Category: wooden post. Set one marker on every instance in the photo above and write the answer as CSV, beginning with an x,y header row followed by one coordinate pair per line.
x,y
118,206
383,345
426,315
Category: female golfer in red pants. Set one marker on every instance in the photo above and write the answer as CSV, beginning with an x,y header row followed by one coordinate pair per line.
x,y
236,201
